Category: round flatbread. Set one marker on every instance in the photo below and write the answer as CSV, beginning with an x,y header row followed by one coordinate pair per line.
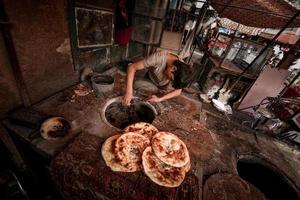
x,y
55,128
109,157
170,149
145,129
159,172
187,167
129,147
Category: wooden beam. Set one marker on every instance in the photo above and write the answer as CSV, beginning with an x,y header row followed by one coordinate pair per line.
x,y
12,56
11,147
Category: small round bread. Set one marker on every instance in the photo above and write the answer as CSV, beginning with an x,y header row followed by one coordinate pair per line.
x,y
159,172
145,129
170,149
109,157
129,147
55,128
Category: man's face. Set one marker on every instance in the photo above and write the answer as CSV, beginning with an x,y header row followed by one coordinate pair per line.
x,y
169,72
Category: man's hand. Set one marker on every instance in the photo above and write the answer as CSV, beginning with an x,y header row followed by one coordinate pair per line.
x,y
127,99
154,99
131,69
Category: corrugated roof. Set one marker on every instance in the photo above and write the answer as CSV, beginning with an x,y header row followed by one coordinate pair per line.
x,y
287,37
257,13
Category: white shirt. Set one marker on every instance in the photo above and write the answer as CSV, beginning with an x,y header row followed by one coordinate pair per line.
x,y
156,63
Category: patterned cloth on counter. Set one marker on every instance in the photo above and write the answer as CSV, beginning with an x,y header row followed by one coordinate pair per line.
x,y
79,172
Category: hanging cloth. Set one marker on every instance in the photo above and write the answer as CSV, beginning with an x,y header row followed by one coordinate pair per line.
x,y
123,23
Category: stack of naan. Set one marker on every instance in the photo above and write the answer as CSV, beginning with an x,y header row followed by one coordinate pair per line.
x,y
163,156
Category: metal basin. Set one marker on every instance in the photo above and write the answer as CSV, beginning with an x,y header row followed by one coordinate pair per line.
x,y
118,116
102,84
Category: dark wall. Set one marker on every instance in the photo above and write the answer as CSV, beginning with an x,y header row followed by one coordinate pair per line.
x,y
108,4
40,35
9,94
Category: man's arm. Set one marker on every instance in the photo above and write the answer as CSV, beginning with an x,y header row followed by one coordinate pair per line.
x,y
129,80
169,95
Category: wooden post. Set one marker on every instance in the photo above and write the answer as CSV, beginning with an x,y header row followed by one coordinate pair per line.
x,y
11,147
12,56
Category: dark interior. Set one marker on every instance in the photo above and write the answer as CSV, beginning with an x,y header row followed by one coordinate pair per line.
x,y
121,116
101,79
272,184
31,182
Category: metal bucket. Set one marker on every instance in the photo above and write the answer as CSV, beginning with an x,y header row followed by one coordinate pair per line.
x,y
102,84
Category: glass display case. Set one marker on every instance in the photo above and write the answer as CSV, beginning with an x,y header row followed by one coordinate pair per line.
x,y
239,53
219,45
135,50
147,30
152,8
242,52
148,21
